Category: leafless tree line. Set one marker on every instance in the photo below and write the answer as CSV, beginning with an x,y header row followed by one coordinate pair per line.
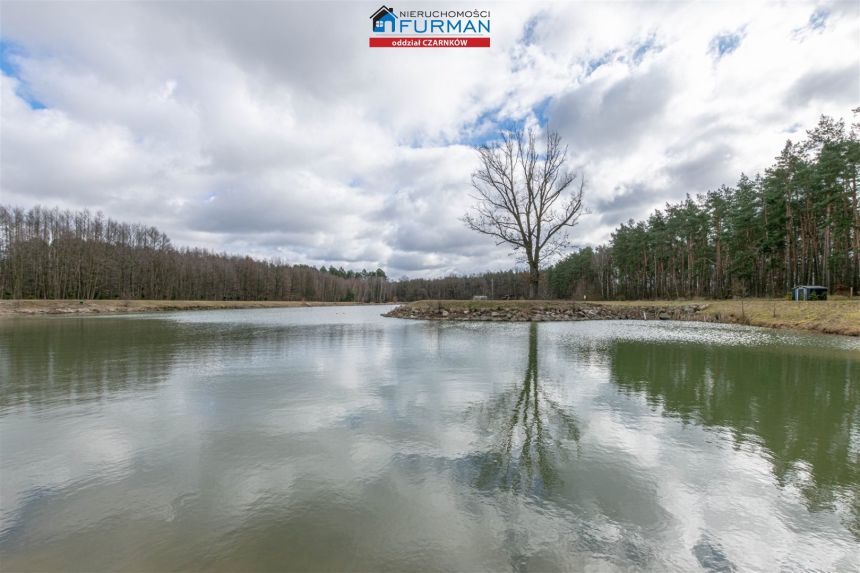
x,y
61,254
499,285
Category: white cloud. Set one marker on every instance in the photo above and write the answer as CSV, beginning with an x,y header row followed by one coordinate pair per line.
x,y
239,127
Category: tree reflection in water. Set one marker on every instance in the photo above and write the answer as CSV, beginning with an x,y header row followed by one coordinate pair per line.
x,y
529,431
801,408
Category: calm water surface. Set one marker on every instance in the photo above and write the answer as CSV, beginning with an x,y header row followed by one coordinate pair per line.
x,y
335,439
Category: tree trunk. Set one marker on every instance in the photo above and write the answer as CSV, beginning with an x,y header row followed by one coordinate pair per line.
x,y
534,281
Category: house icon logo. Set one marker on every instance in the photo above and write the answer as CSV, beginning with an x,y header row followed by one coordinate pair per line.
x,y
382,17
439,28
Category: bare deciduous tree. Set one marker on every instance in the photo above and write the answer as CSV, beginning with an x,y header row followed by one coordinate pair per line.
x,y
54,254
526,197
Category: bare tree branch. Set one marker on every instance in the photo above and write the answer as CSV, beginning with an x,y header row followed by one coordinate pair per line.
x,y
525,197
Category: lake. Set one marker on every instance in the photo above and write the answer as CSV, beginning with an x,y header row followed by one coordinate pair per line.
x,y
321,439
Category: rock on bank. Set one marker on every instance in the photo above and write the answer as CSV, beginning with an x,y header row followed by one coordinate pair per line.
x,y
525,311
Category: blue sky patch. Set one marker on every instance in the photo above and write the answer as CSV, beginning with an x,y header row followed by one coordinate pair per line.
x,y
489,124
649,45
600,60
818,19
541,111
9,55
725,44
528,37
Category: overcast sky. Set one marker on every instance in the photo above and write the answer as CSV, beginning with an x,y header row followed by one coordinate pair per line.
x,y
272,129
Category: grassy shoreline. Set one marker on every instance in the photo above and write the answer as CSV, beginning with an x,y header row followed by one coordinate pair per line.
x,y
828,317
9,308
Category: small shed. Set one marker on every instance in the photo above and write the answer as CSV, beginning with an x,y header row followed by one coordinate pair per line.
x,y
809,292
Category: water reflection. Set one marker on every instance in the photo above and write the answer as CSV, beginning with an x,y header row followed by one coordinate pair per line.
x,y
530,433
62,361
54,362
802,408
316,439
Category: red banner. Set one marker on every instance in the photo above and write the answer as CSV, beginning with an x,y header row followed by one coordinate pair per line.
x,y
443,42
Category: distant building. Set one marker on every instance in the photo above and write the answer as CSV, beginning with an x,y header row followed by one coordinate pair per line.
x,y
808,292
479,297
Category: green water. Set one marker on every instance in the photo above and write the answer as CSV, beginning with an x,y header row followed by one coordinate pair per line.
x,y
320,439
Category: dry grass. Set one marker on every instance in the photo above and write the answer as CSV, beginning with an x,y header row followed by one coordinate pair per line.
x,y
831,316
41,307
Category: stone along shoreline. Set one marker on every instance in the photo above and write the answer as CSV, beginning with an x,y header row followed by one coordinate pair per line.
x,y
831,317
504,312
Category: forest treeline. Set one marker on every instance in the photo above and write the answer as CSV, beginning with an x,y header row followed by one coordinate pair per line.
x,y
797,223
56,254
